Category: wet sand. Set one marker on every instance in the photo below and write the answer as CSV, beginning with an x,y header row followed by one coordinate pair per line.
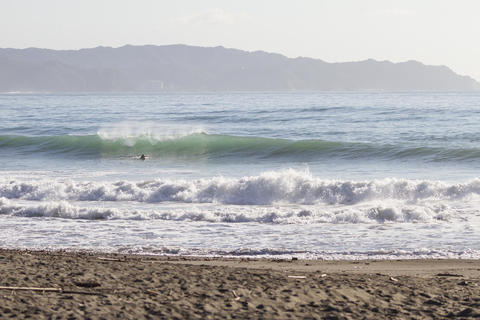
x,y
47,285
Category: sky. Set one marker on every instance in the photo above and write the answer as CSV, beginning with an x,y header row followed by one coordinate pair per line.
x,y
436,32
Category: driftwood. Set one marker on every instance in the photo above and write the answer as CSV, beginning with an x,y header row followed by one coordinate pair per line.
x,y
235,295
31,289
298,277
448,274
109,259
59,290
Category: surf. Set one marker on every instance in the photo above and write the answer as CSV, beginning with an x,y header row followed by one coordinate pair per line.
x,y
268,188
203,145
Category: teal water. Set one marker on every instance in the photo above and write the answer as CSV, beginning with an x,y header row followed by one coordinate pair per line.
x,y
242,173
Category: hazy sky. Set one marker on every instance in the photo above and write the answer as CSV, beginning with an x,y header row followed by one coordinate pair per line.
x,y
432,31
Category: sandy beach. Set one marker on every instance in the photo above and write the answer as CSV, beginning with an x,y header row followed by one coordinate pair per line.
x,y
65,285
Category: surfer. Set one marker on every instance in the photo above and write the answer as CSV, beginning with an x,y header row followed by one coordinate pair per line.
x,y
142,157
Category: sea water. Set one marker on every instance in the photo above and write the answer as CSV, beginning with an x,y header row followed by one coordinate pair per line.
x,y
312,175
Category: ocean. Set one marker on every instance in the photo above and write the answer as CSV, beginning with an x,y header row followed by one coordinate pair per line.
x,y
358,175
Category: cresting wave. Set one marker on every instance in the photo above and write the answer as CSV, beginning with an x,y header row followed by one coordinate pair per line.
x,y
283,187
228,214
203,145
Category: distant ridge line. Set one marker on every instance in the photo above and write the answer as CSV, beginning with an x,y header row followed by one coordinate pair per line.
x,y
179,67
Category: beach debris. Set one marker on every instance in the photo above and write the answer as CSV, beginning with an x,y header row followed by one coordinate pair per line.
x,y
31,289
47,289
393,279
447,274
235,295
108,259
297,277
323,275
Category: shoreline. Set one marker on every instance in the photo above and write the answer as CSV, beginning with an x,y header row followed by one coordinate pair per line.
x,y
94,285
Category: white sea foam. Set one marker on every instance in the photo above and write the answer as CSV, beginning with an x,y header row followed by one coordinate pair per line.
x,y
269,253
283,197
277,253
372,212
282,187
60,209
130,131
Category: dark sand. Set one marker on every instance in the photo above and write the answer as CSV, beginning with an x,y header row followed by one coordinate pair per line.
x,y
96,286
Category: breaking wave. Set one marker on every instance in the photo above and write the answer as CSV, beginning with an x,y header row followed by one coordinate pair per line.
x,y
285,187
287,196
377,213
199,144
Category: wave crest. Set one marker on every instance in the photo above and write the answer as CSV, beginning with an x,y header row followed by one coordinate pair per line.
x,y
283,187
195,143
371,213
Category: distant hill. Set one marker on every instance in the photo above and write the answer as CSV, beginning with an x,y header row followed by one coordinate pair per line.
x,y
189,68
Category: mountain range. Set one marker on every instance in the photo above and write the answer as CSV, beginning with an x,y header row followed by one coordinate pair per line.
x,y
189,68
